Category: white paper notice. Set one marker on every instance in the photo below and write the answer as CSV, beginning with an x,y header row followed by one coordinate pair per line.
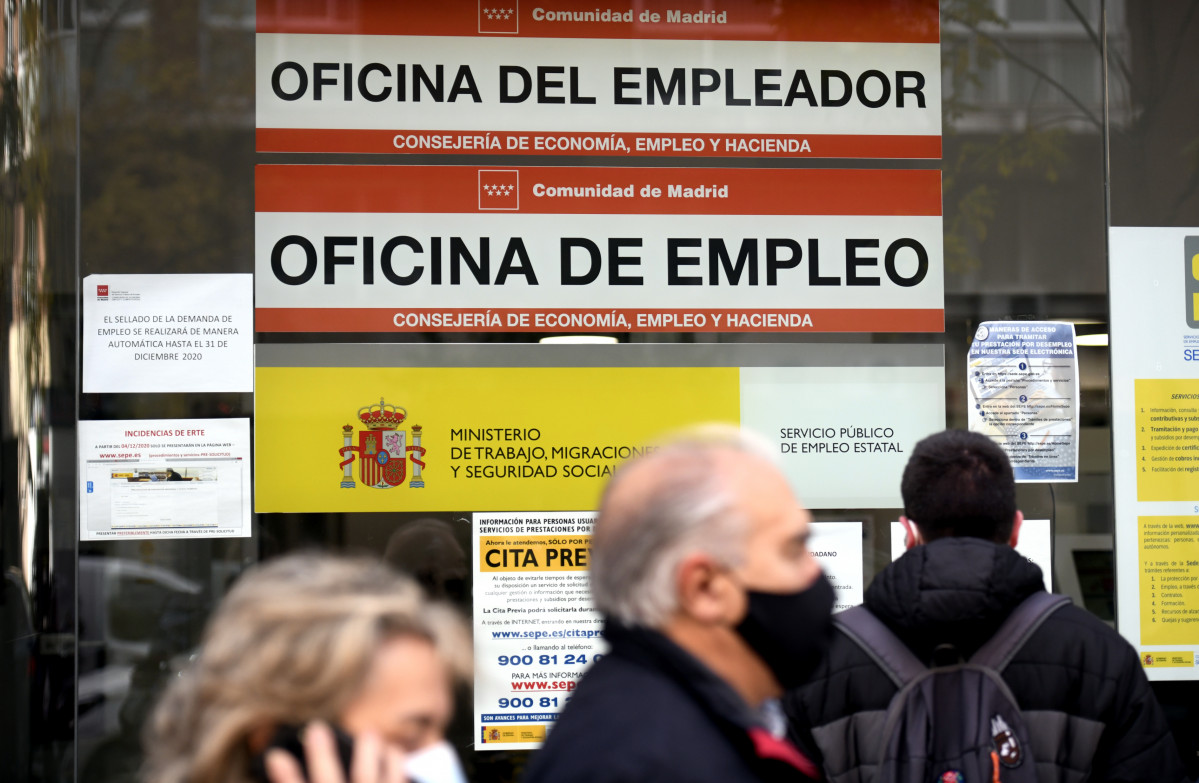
x,y
1035,543
535,629
164,478
838,547
168,333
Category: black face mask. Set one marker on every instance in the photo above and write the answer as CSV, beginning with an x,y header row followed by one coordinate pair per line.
x,y
790,631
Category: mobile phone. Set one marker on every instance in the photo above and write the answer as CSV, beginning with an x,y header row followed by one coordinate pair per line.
x,y
289,738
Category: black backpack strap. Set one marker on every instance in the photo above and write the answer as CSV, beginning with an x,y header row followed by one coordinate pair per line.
x,y
881,644
1026,618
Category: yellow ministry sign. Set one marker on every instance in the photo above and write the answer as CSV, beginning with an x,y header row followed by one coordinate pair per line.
x,y
462,438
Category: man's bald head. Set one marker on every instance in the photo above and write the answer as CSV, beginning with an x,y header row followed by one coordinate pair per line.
x,y
684,497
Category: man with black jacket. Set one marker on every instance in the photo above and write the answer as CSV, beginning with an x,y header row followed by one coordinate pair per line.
x,y
713,606
1080,686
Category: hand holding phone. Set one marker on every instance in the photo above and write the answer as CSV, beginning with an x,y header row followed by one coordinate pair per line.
x,y
320,753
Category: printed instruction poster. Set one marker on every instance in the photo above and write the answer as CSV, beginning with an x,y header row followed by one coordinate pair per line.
x,y
1023,380
1155,434
535,627
168,333
164,478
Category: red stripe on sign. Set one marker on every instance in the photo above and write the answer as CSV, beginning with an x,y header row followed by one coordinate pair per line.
x,y
715,145
593,191
897,21
457,319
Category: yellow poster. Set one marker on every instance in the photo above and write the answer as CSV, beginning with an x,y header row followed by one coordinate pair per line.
x,y
1167,439
463,438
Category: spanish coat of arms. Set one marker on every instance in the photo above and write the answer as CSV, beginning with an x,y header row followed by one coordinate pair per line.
x,y
383,450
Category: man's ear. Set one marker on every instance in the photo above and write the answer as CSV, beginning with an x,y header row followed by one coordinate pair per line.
x,y
1017,521
705,591
912,537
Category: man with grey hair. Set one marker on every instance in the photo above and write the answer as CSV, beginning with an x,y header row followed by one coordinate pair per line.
x,y
713,607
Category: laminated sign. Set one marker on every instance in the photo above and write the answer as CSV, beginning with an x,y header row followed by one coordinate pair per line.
x,y
550,249
1023,380
834,80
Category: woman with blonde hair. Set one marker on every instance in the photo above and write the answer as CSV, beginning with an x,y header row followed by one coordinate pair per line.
x,y
307,643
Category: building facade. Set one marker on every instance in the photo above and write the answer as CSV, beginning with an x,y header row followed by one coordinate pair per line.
x,y
167,138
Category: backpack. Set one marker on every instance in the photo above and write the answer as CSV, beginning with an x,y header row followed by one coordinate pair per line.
x,y
956,723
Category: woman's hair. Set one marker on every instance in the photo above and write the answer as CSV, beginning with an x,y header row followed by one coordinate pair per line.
x,y
292,642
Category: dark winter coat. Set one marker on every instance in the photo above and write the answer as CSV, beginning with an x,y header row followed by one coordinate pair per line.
x,y
650,711
1080,685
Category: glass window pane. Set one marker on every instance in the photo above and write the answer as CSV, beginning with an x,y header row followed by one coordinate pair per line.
x,y
1028,10
1078,69
1025,69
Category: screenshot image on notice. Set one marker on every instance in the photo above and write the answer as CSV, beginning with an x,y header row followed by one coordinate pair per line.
x,y
199,493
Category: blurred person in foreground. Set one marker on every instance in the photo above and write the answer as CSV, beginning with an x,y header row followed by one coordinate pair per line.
x,y
326,649
1079,685
713,605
